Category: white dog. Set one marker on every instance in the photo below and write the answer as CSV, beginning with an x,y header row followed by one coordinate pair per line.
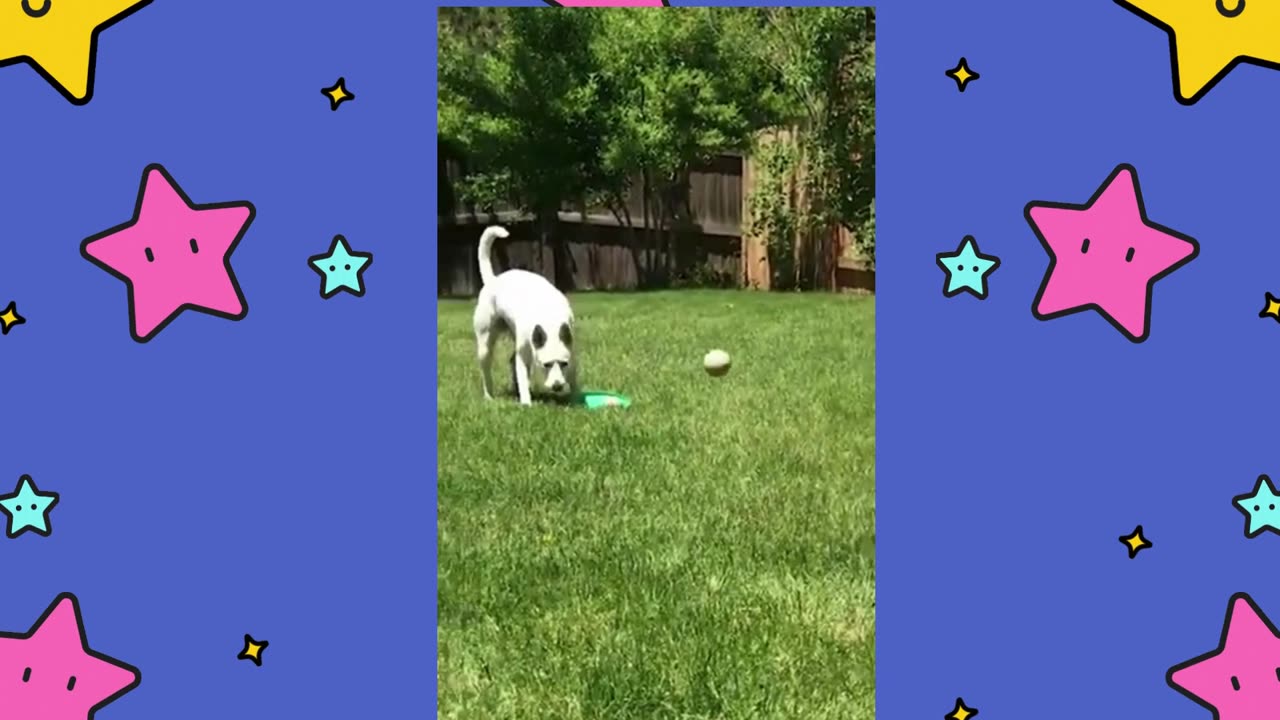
x,y
536,314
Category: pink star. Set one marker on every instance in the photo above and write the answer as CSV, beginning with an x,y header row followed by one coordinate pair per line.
x,y
174,255
1240,680
1106,255
50,673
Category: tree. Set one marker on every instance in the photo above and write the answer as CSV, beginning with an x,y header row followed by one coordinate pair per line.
x,y
825,175
518,95
552,106
683,87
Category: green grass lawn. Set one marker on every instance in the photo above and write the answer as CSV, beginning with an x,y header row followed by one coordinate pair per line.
x,y
706,553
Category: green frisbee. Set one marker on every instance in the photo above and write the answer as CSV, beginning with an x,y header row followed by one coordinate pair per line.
x,y
596,399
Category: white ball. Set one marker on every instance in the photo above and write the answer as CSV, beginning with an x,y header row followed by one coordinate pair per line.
x,y
716,362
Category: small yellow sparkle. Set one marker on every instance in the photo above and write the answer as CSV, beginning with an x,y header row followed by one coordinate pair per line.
x,y
10,317
338,94
1272,310
1135,542
252,650
962,74
962,712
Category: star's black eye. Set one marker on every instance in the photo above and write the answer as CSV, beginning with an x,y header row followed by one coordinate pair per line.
x,y
1084,246
1235,683
71,683
194,247
26,675
28,7
1128,257
151,257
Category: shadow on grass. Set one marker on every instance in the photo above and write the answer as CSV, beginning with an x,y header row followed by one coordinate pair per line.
x,y
542,399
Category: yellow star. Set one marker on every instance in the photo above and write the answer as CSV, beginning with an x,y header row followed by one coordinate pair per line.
x,y
961,712
1272,310
1208,39
252,650
10,317
962,74
1135,542
338,94
59,38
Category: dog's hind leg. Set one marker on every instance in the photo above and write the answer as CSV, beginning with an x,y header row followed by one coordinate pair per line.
x,y
485,340
522,378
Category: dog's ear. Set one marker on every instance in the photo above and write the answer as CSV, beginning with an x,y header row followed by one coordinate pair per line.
x,y
566,335
539,337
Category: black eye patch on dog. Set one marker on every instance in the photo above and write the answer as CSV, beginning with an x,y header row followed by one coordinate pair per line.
x,y
566,335
539,337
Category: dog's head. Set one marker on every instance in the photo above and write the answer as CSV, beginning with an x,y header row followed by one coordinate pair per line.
x,y
554,352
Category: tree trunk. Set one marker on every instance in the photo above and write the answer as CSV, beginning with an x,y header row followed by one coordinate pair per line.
x,y
661,255
561,268
622,214
646,230
788,283
673,243
804,243
674,189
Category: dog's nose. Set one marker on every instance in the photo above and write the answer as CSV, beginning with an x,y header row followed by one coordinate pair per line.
x,y
557,386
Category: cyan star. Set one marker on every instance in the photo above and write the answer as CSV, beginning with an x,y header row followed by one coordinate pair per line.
x,y
28,508
1259,507
967,269
341,268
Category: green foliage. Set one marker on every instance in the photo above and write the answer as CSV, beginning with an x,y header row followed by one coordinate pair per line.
x,y
551,106
826,58
771,213
684,88
703,275
866,235
528,120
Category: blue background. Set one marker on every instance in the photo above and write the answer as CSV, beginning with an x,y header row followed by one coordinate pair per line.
x,y
1013,452
273,476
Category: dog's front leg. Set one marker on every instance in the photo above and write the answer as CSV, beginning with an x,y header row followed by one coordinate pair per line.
x,y
572,376
522,379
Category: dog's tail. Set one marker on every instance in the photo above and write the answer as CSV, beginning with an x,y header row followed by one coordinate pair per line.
x,y
485,255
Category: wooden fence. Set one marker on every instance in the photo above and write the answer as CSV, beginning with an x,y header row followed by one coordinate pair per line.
x,y
827,258
605,253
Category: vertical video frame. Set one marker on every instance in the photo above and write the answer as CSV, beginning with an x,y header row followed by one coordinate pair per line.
x,y
656,363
